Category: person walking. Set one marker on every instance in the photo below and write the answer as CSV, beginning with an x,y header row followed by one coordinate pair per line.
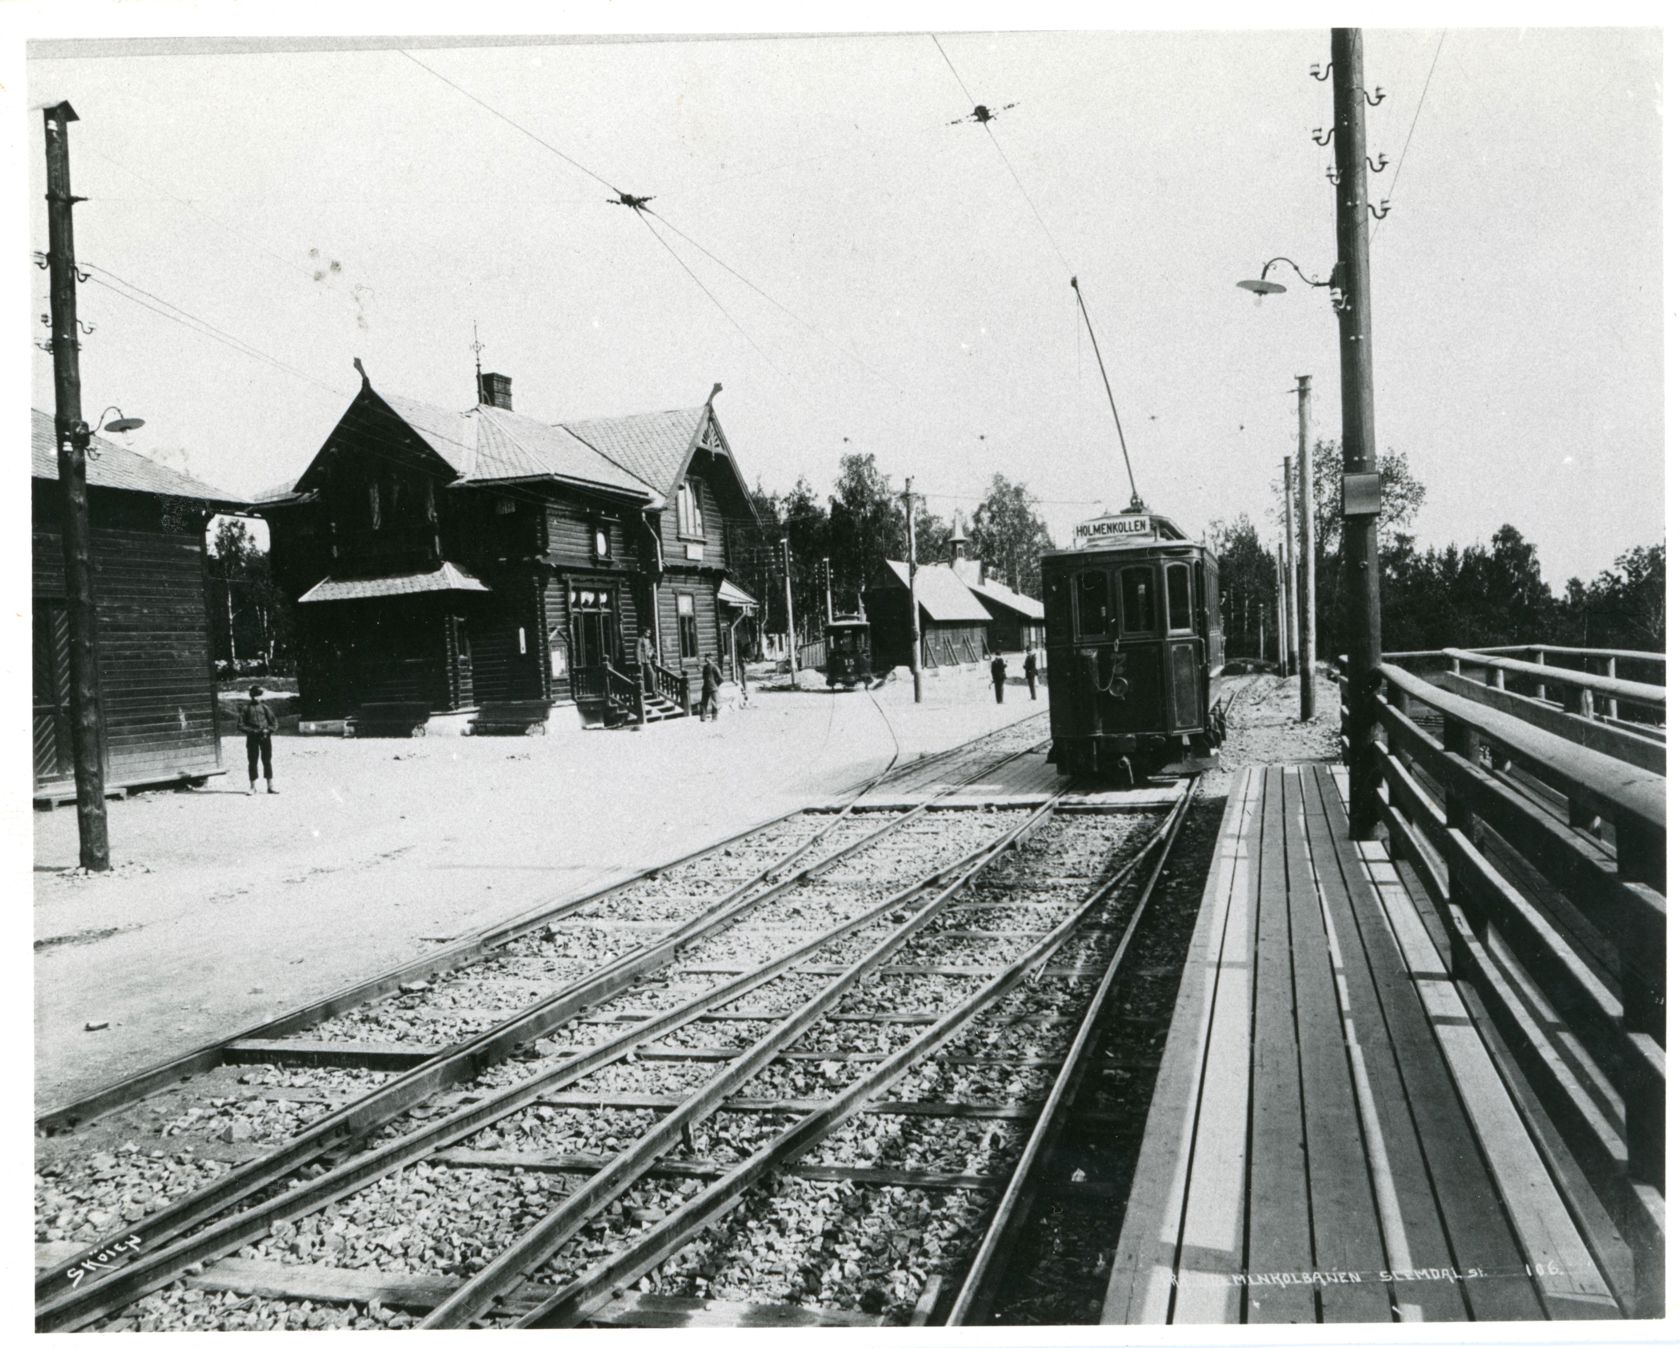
x,y
711,679
258,722
998,671
1030,669
644,658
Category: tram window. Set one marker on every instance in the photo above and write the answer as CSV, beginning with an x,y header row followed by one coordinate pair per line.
x,y
1091,603
1137,589
1178,598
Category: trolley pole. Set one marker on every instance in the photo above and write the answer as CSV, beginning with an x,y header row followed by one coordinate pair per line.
x,y
1290,592
1309,549
86,718
787,583
1361,491
915,608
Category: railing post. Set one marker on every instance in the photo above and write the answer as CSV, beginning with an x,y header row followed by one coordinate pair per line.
x,y
1540,686
1402,703
1605,665
1461,740
1494,678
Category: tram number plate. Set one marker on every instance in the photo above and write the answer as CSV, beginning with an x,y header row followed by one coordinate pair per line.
x,y
1111,526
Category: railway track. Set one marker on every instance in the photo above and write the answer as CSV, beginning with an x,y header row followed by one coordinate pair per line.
x,y
860,1002
428,1018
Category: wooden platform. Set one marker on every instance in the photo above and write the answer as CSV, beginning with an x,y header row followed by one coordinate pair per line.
x,y
1329,1137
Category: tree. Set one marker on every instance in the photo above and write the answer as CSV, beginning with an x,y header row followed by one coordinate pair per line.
x,y
252,620
866,525
1247,584
1627,605
1009,534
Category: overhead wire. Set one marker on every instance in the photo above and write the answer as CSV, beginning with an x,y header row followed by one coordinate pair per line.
x,y
642,216
986,126
1417,112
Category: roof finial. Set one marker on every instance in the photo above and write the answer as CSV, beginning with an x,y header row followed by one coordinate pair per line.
x,y
716,389
357,362
478,366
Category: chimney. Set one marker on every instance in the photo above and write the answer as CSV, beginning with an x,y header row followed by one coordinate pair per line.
x,y
496,390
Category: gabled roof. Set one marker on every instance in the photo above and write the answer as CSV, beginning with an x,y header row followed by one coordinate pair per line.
x,y
1026,606
484,445
655,446
511,447
116,467
942,595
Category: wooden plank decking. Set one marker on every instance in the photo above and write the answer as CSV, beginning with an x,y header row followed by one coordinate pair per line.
x,y
1329,1137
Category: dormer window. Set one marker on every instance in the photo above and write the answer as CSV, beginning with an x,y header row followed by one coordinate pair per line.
x,y
690,523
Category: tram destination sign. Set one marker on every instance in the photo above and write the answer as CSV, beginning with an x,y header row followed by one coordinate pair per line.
x,y
1112,529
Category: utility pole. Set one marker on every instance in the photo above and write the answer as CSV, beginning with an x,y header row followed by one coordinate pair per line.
x,y
828,589
1282,613
787,582
1309,550
915,608
86,719
1291,601
1361,492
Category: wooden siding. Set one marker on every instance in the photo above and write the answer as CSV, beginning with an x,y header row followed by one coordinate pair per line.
x,y
571,536
501,672
704,589
155,681
703,473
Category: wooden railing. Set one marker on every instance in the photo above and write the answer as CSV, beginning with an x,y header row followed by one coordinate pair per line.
x,y
1542,852
670,684
624,698
589,683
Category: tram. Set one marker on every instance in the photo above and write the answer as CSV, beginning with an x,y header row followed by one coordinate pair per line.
x,y
847,653
1134,649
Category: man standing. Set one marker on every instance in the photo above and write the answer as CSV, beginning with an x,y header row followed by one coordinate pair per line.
x,y
258,721
998,671
711,679
1030,669
644,657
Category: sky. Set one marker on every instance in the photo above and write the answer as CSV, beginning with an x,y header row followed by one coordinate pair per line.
x,y
894,283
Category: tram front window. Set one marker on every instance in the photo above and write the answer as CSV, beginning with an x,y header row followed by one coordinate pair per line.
x,y
1090,604
1178,598
1137,592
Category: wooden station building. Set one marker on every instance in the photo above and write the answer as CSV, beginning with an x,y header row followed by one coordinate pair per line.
x,y
156,681
455,560
953,621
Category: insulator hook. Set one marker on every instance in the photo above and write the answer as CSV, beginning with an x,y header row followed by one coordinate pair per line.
x,y
82,276
1328,67
87,328
1323,135
1379,166
40,260
46,320
1378,99
1379,214
1332,175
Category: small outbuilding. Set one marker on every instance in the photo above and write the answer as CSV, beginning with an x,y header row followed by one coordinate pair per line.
x,y
156,681
1017,620
953,621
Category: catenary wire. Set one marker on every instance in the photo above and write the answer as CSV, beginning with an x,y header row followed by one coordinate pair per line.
x,y
642,216
998,145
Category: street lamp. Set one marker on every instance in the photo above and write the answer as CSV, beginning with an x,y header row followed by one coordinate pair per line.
x,y
1262,287
120,424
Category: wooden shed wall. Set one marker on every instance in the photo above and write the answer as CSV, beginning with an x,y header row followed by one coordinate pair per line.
x,y
157,690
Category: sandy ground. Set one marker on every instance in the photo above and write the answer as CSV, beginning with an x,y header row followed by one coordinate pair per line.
x,y
223,909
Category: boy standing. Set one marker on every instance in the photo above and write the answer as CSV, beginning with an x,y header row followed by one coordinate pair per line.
x,y
258,721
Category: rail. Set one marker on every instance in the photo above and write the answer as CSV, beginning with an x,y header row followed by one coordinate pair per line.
x,y
1544,859
670,684
624,697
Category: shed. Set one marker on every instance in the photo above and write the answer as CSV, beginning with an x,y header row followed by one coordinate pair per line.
x,y
156,680
1016,620
953,621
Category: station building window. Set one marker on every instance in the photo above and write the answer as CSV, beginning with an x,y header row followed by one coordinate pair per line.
x,y
688,631
690,522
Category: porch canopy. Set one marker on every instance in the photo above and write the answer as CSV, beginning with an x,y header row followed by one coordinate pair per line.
x,y
733,595
449,576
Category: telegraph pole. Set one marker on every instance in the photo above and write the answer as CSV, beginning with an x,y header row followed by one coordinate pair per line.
x,y
1309,550
1282,613
828,589
787,582
1291,600
1361,492
915,608
86,719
